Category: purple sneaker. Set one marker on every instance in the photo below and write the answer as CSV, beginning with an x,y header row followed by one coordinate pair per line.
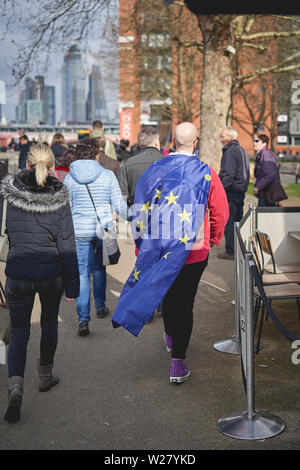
x,y
168,341
178,371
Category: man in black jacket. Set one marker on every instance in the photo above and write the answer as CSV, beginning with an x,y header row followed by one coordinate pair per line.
x,y
132,169
234,175
24,149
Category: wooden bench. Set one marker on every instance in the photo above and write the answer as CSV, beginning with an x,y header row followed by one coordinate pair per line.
x,y
292,168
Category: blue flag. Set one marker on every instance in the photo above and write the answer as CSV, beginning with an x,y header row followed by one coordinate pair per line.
x,y
168,215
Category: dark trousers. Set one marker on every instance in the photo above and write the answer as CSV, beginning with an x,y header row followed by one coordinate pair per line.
x,y
177,309
236,204
262,202
20,299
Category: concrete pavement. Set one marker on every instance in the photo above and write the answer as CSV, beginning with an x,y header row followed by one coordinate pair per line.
x,y
114,391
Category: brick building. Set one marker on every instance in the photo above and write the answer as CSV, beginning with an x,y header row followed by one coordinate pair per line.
x,y
133,108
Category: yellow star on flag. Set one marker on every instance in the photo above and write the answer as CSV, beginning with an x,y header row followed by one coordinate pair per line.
x,y
141,226
136,274
185,216
158,194
185,239
146,207
167,254
171,198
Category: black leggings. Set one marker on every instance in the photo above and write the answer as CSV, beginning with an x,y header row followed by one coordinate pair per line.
x,y
20,299
178,307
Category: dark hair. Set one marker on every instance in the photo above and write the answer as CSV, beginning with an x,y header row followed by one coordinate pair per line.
x,y
147,136
24,137
67,158
97,125
84,151
264,138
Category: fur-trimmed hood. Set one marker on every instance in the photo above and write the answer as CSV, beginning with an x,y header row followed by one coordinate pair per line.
x,y
22,191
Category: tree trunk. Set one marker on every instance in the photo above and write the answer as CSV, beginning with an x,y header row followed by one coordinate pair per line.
x,y
215,104
216,86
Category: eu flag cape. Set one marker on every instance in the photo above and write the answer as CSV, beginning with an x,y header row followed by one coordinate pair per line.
x,y
168,214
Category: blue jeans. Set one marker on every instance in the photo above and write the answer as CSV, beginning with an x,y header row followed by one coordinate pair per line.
x,y
89,254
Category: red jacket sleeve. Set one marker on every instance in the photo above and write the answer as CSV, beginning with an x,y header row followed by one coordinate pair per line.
x,y
218,209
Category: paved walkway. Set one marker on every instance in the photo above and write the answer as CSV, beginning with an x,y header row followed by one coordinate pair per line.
x,y
114,392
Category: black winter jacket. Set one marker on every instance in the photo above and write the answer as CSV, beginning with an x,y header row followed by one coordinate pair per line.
x,y
58,150
24,149
40,231
234,172
133,168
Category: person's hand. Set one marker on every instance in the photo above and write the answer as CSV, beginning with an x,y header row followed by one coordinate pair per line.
x,y
69,300
211,244
255,190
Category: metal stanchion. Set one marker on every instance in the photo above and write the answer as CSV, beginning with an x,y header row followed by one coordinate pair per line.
x,y
233,345
251,424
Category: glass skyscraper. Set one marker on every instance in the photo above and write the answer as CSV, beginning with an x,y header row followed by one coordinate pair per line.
x,y
73,87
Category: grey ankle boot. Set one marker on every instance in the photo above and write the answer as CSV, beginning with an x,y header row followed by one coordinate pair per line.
x,y
15,392
47,381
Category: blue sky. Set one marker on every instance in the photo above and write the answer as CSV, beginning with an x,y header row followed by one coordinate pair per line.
x,y
8,55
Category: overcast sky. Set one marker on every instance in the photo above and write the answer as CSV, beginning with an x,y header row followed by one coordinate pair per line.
x,y
52,77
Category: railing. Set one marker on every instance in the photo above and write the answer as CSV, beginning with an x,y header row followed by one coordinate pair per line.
x,y
251,424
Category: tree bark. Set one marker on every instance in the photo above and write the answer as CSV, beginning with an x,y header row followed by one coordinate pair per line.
x,y
215,103
216,86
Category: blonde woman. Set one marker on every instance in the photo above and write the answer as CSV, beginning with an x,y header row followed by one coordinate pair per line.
x,y
42,259
58,147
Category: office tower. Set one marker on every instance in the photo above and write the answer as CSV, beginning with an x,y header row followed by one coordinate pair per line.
x,y
73,87
36,102
49,101
96,103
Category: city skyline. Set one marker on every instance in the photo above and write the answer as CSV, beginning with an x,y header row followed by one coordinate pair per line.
x,y
52,73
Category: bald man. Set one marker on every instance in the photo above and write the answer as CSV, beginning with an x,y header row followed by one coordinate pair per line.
x,y
181,169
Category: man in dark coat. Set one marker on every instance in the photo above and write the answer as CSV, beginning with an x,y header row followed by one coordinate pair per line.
x,y
234,175
24,149
134,167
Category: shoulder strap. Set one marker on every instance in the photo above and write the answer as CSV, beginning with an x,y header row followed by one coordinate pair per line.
x,y
4,217
88,189
245,162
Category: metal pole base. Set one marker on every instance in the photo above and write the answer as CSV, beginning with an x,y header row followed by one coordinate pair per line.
x,y
229,346
259,426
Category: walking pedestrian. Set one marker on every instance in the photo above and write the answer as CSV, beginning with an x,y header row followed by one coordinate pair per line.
x,y
188,200
134,167
86,171
58,146
266,169
98,132
65,161
42,259
104,160
234,174
24,149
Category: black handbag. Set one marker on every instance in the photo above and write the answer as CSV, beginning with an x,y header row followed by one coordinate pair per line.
x,y
275,192
110,248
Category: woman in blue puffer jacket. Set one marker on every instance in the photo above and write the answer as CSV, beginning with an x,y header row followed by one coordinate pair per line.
x,y
106,193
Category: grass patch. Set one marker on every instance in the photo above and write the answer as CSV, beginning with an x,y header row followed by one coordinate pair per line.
x,y
292,190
